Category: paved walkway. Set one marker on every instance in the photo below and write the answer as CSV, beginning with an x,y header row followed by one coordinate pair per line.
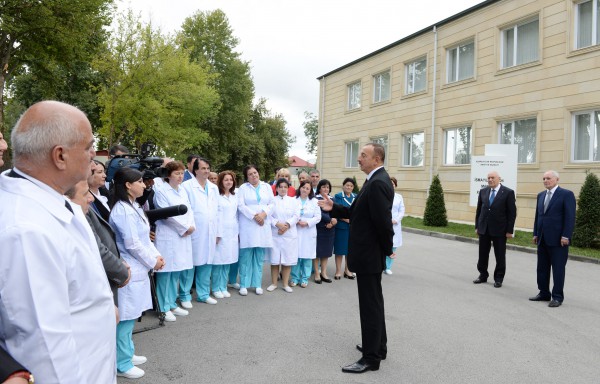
x,y
441,328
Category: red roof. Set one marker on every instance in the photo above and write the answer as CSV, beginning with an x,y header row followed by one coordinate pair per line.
x,y
295,161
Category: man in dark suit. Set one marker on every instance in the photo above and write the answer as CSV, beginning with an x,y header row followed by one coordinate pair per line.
x,y
552,232
494,223
370,240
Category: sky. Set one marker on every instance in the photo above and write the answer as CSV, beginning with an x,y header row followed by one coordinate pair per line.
x,y
290,43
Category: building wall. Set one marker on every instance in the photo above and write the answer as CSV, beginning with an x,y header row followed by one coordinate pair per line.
x,y
562,81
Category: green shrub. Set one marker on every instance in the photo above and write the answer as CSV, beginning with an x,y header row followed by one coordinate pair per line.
x,y
587,220
435,208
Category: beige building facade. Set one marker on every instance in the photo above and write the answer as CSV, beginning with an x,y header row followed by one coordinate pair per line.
x,y
522,72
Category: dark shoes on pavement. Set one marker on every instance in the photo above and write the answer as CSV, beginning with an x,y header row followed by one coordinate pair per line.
x,y
554,304
497,284
360,366
539,297
480,280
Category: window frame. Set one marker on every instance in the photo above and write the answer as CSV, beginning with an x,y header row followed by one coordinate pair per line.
x,y
515,28
512,139
445,151
594,24
377,88
403,138
449,61
407,73
358,103
594,132
346,163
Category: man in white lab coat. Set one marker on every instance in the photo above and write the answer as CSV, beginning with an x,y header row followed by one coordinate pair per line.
x,y
57,315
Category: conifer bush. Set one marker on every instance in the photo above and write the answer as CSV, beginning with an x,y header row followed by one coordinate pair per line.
x,y
435,208
587,219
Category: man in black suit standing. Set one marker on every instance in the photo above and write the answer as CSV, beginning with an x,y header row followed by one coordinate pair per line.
x,y
494,223
552,232
370,241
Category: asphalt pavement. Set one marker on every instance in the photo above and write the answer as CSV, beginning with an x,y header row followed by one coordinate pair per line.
x,y
441,328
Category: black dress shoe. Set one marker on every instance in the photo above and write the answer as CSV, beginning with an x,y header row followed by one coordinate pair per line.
x,y
360,349
318,281
479,280
360,366
497,284
554,304
326,279
539,297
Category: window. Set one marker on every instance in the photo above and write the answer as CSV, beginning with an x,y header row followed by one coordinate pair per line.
x,y
523,133
413,149
416,76
381,87
461,62
383,140
520,44
587,25
457,148
351,154
586,132
354,94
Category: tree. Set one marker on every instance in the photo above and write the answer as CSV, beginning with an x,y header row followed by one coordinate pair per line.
x,y
35,36
587,219
435,208
152,92
311,131
209,38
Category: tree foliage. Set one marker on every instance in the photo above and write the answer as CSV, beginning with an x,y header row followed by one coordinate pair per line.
x,y
435,207
36,37
152,92
587,219
311,131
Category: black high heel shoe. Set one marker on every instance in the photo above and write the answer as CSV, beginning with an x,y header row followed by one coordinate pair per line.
x,y
325,279
351,277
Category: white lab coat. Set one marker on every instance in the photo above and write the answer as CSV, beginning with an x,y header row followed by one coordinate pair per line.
x,y
251,234
285,247
57,315
132,231
170,242
397,214
204,206
307,236
227,250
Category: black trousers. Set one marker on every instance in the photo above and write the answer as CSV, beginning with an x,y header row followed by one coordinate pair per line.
x,y
485,245
551,259
372,316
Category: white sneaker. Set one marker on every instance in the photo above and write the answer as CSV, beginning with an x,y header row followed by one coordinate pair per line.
x,y
169,316
218,295
133,373
210,300
179,312
226,294
259,291
243,291
235,285
186,304
270,288
388,272
288,289
138,360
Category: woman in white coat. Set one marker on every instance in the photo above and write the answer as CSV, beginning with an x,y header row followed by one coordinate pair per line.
x,y
203,197
284,253
173,241
132,231
228,246
397,215
255,199
309,216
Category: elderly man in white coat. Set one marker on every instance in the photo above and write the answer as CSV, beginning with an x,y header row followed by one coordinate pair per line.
x,y
203,196
57,315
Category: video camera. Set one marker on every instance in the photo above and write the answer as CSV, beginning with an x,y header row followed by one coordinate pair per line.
x,y
140,161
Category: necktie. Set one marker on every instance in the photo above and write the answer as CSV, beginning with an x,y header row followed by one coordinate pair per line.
x,y
547,200
492,195
68,206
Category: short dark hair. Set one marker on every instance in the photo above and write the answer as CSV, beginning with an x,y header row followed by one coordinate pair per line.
x,y
379,150
191,157
117,148
323,182
311,194
349,180
281,181
197,164
171,167
247,168
220,182
394,181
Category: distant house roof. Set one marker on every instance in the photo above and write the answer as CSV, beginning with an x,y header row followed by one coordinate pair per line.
x,y
422,31
295,161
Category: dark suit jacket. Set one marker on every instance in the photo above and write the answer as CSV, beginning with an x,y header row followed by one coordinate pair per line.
x,y
499,218
100,208
371,233
559,219
8,365
116,271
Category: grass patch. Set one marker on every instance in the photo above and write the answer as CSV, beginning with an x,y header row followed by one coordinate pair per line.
x,y
522,238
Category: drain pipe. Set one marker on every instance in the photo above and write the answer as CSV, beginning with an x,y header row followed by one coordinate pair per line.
x,y
433,101
321,126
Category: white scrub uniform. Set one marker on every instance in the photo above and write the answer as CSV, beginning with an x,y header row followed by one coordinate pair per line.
x,y
285,247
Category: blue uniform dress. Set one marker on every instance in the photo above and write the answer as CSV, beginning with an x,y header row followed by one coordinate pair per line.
x,y
325,236
342,229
